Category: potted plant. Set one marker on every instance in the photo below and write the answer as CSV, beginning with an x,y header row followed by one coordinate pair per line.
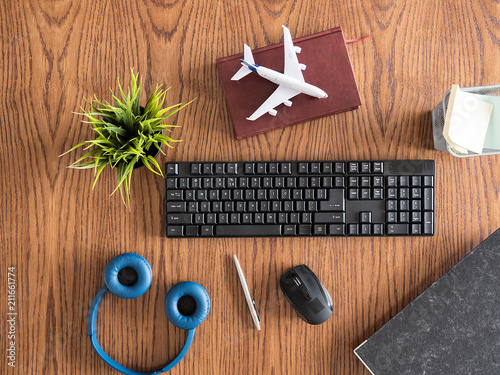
x,y
127,135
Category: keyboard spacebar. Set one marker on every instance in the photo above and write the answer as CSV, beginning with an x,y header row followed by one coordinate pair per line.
x,y
247,230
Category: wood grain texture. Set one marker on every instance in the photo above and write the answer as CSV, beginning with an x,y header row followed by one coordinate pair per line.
x,y
60,235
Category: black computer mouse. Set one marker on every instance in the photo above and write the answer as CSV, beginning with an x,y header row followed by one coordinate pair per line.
x,y
306,294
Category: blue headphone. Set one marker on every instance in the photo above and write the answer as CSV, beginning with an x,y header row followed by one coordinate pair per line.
x,y
129,276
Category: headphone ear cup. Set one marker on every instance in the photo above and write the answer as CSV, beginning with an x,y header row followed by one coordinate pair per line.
x,y
200,297
142,270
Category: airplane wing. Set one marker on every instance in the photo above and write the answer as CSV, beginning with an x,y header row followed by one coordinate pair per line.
x,y
279,96
292,67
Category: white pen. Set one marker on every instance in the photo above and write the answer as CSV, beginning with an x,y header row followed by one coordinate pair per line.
x,y
250,302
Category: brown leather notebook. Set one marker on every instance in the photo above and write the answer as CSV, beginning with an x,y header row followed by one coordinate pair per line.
x,y
328,67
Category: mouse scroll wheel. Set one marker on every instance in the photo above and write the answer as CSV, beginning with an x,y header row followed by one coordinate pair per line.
x,y
302,288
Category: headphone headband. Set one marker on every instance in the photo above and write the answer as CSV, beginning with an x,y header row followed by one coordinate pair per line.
x,y
140,286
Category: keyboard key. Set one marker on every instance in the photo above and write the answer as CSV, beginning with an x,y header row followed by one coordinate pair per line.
x,y
175,230
365,217
174,195
353,182
191,231
171,183
353,194
207,168
365,193
249,168
390,205
195,169
416,193
365,229
232,168
179,218
253,230
261,168
416,205
267,182
353,167
416,229
305,229
223,218
391,217
285,168
282,218
404,205
219,168
392,193
172,169
211,219
329,217
306,218
319,230
273,168
327,168
397,229
378,167
428,199
175,207
404,193
289,230
315,168
303,182
243,182
353,229
183,183
336,230
258,218
428,222
378,229
335,202
312,206
207,230
365,181
378,181
207,183
303,168
270,218
377,193
204,206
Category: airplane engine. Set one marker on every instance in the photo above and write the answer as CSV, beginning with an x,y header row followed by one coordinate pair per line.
x,y
273,112
288,103
302,67
297,49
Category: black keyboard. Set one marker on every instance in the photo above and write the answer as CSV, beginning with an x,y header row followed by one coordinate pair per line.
x,y
300,198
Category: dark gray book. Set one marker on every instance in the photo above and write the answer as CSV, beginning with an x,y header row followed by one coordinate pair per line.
x,y
451,328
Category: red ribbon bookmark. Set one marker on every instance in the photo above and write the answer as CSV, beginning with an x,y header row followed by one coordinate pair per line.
x,y
357,40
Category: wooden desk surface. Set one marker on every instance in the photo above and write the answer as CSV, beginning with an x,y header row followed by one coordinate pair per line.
x,y
59,235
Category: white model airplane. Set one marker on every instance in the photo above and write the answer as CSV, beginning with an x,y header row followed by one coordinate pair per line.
x,y
290,82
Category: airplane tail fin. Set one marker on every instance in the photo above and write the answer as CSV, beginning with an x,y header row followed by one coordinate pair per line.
x,y
244,70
